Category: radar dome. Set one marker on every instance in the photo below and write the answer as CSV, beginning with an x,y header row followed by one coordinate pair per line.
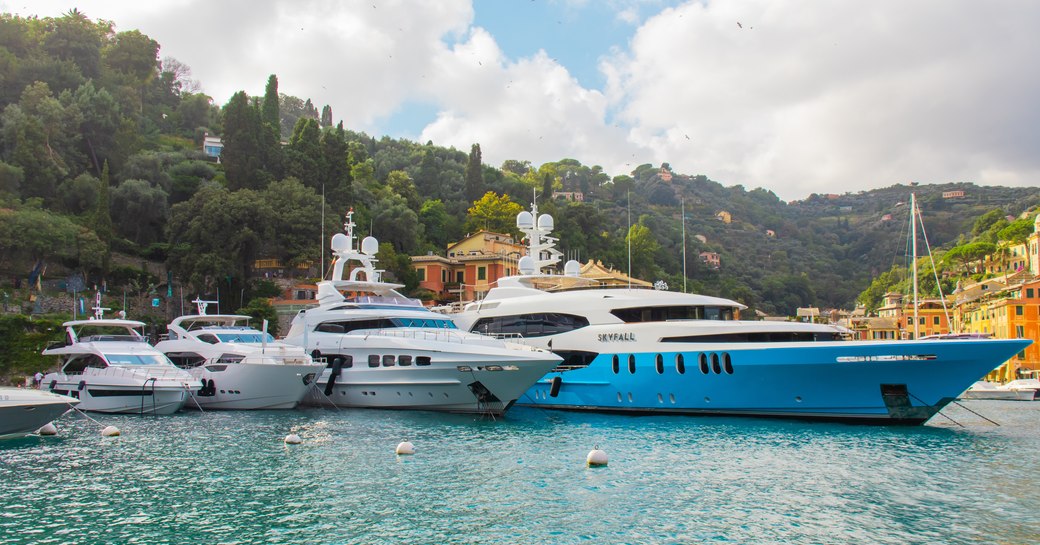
x,y
340,242
545,222
526,265
572,268
370,246
524,220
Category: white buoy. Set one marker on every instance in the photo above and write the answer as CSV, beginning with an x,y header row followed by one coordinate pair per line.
x,y
293,439
596,458
48,429
110,431
406,447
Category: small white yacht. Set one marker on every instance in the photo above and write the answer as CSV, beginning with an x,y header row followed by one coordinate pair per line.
x,y
109,367
384,350
23,411
236,366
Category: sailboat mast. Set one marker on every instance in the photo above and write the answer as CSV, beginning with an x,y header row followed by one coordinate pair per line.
x,y
913,256
683,214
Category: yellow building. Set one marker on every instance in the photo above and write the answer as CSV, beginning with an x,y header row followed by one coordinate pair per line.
x,y
1012,313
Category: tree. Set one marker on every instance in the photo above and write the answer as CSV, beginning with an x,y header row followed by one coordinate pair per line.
x,y
305,159
474,174
99,118
643,246
493,213
76,38
260,309
326,116
297,222
140,211
271,114
241,155
399,182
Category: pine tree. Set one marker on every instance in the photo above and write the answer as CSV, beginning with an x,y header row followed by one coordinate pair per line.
x,y
326,116
271,112
474,175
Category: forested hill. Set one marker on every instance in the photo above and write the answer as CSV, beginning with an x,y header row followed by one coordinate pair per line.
x,y
101,152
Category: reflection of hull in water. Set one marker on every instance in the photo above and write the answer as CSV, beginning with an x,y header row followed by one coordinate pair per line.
x,y
24,411
118,391
245,386
877,382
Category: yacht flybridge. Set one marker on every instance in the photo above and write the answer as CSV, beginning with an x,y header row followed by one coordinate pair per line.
x,y
648,351
109,367
236,366
385,350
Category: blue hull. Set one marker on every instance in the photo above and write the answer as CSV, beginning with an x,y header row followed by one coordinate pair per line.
x,y
875,382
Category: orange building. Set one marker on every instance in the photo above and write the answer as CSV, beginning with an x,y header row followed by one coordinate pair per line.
x,y
471,268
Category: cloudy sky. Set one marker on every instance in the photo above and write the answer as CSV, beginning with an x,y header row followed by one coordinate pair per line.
x,y
796,96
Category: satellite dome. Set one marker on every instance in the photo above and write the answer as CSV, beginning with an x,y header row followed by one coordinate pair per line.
x,y
526,265
340,242
545,222
370,246
572,268
524,220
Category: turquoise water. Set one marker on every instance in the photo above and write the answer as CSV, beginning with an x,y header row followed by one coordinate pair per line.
x,y
228,478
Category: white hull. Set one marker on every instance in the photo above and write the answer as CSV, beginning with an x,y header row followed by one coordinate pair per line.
x,y
245,386
463,378
121,390
22,412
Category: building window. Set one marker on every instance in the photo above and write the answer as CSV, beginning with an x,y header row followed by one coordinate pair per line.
x,y
1018,310
1020,331
460,277
481,273
421,271
444,275
935,320
1029,293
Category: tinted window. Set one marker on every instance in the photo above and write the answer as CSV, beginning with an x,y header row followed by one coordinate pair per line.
x,y
662,314
530,325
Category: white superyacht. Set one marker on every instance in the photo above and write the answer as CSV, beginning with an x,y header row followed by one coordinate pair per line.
x,y
384,350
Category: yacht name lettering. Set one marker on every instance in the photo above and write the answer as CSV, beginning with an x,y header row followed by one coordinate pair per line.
x,y
617,337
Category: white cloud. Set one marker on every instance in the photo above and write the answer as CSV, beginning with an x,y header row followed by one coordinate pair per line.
x,y
805,97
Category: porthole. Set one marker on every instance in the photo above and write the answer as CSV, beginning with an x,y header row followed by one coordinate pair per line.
x,y
619,397
704,363
630,397
671,397
373,360
389,360
680,364
659,363
727,363
632,363
660,398
715,363
614,365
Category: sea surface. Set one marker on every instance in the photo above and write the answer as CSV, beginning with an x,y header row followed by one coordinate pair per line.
x,y
228,477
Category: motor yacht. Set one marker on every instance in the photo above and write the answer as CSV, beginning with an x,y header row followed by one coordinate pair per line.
x,y
384,350
655,351
108,365
236,366
23,410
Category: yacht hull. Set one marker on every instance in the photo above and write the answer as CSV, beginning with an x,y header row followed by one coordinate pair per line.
x,y
246,386
479,383
120,394
861,381
22,412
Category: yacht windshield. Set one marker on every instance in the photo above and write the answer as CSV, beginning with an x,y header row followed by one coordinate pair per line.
x,y
424,322
136,359
245,337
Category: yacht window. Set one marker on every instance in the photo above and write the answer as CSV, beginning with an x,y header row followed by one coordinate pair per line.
x,y
209,338
530,325
632,363
704,363
715,364
245,337
388,360
614,365
77,365
659,364
186,360
346,326
663,314
230,358
373,360
680,364
404,360
727,363
136,359
422,360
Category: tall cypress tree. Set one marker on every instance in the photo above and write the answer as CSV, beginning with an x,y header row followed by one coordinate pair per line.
x,y
271,112
474,175
241,155
326,116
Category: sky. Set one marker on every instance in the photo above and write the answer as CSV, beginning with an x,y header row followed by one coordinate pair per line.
x,y
794,96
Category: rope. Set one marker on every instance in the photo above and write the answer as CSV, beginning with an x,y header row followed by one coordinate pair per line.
x,y
192,396
85,415
975,413
314,386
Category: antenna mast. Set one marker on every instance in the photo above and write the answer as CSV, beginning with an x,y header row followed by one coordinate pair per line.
x,y
913,254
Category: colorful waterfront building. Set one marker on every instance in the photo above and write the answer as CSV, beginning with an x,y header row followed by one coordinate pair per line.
x,y
1009,313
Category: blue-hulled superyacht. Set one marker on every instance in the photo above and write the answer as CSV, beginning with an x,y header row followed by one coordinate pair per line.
x,y
649,351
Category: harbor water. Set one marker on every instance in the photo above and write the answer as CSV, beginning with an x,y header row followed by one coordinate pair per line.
x,y
227,477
